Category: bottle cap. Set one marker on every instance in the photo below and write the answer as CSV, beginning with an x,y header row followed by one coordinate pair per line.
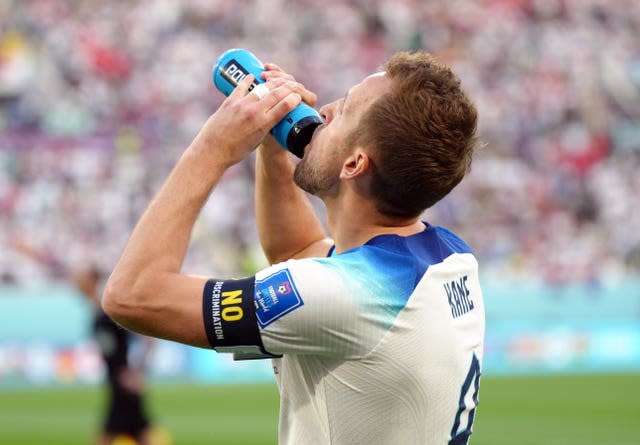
x,y
301,133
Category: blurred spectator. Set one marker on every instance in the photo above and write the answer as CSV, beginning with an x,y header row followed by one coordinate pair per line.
x,y
125,414
97,100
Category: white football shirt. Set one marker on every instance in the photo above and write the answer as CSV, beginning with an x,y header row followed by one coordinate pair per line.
x,y
380,345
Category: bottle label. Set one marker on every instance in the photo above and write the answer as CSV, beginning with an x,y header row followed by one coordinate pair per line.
x,y
233,73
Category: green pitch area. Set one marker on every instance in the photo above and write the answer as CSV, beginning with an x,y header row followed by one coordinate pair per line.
x,y
565,410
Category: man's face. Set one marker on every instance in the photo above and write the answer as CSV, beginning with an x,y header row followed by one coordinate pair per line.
x,y
319,171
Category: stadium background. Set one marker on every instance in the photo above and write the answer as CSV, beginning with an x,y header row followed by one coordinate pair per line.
x,y
98,99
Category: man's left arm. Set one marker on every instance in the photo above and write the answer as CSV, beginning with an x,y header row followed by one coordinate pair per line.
x,y
146,292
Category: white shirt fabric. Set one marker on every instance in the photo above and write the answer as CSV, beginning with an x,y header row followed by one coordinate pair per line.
x,y
380,345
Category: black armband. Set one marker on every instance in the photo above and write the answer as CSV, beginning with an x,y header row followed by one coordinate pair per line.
x,y
230,320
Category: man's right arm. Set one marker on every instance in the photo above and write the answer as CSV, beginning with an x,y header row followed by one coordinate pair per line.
x,y
287,224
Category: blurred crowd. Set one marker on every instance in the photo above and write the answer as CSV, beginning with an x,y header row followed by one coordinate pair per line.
x,y
98,100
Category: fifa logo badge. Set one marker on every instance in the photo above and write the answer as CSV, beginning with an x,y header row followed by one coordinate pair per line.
x,y
284,288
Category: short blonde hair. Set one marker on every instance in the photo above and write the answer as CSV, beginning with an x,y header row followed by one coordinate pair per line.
x,y
422,135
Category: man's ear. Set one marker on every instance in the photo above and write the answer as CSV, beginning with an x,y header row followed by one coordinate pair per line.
x,y
356,165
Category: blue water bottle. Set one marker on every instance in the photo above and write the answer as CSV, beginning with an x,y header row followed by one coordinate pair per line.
x,y
294,131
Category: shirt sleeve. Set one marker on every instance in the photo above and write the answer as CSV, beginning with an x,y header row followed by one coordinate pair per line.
x,y
315,307
311,306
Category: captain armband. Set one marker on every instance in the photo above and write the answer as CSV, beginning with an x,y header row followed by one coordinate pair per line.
x,y
229,313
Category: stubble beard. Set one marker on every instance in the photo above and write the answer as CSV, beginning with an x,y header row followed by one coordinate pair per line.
x,y
316,179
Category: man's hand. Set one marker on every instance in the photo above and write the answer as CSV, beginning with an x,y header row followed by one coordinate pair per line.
x,y
244,119
273,74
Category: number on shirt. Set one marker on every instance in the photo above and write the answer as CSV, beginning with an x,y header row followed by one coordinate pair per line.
x,y
467,405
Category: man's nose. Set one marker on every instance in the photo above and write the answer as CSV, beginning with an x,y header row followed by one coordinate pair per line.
x,y
326,112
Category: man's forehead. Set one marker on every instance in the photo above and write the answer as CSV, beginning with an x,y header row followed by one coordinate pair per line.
x,y
376,80
379,74
373,85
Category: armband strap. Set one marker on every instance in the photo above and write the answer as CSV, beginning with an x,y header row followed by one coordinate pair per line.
x,y
230,318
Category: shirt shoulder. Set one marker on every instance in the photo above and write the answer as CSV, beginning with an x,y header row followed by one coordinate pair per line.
x,y
398,261
345,303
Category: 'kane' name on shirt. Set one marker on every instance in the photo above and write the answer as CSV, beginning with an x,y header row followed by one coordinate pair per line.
x,y
458,296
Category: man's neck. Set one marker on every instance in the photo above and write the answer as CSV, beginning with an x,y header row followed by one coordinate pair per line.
x,y
352,225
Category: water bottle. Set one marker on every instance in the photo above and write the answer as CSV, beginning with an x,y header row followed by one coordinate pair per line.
x,y
294,131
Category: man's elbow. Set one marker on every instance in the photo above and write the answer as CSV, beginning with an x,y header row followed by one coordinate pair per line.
x,y
121,302
111,302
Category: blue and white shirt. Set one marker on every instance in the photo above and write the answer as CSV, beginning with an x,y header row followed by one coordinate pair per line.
x,y
381,344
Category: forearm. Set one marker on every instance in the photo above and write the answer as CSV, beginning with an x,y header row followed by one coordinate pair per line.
x,y
154,254
146,292
160,239
159,242
286,221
